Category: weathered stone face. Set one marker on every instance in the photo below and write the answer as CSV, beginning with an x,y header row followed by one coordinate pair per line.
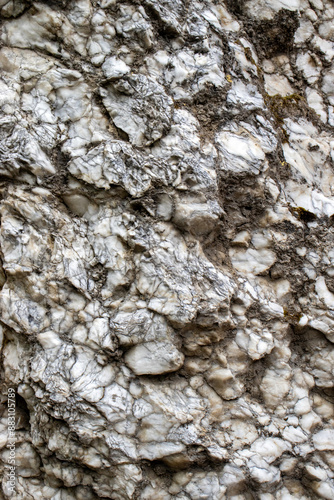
x,y
166,242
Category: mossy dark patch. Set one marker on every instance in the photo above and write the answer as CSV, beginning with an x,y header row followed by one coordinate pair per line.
x,y
283,107
302,214
235,6
56,4
208,107
292,316
273,36
249,56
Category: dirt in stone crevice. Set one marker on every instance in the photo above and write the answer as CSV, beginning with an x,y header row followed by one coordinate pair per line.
x,y
200,461
293,106
305,341
244,193
275,36
208,107
54,4
244,202
271,37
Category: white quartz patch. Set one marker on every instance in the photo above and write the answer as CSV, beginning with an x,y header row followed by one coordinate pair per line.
x,y
110,163
154,358
252,261
316,102
324,293
310,66
114,68
311,200
244,95
189,72
277,84
243,147
308,153
328,85
324,440
126,101
257,343
199,218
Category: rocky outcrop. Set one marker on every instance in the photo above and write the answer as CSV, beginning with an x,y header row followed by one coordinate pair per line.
x,y
167,261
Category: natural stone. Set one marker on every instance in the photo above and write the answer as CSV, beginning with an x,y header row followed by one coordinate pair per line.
x,y
166,249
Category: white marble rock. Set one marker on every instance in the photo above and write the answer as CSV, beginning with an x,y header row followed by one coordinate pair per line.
x,y
166,249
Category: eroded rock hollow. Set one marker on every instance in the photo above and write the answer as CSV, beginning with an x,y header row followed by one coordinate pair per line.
x,y
167,256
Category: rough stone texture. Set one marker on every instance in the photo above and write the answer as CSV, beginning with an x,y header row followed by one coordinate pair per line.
x,y
167,259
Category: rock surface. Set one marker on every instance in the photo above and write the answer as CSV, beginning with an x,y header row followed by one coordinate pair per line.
x,y
167,260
